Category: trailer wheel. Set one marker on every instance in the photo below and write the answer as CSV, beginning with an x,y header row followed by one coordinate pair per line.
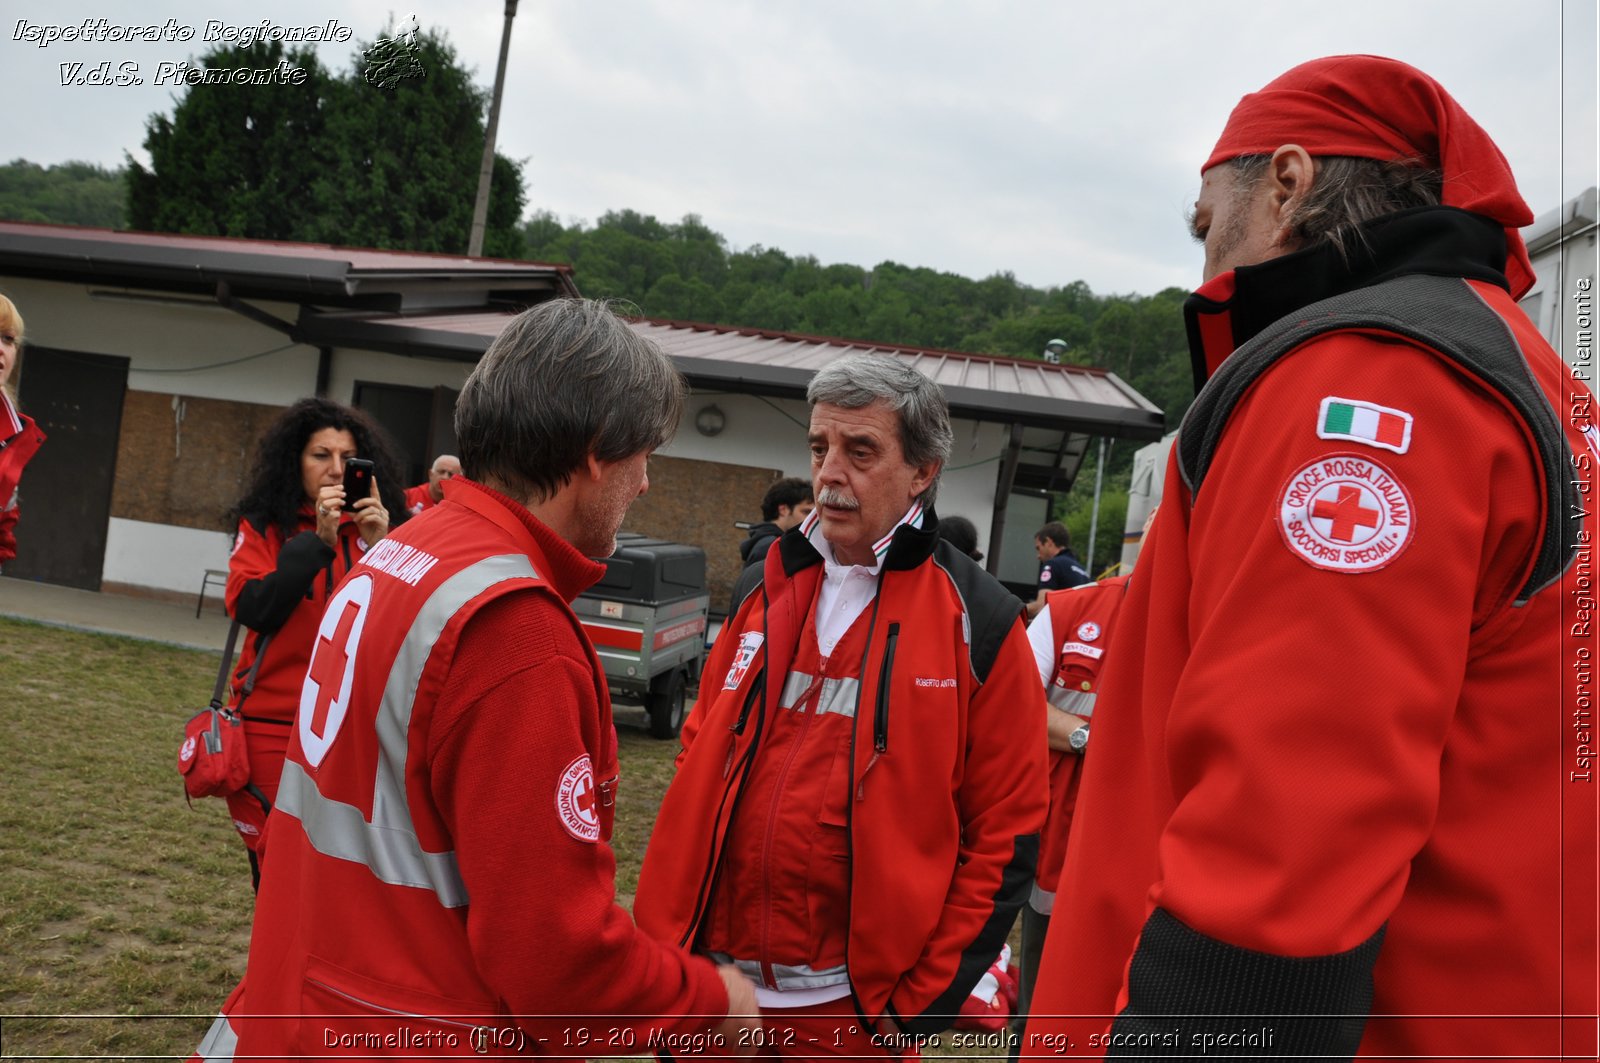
x,y
666,704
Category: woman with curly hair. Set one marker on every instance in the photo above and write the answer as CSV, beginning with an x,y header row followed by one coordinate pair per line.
x,y
297,537
19,436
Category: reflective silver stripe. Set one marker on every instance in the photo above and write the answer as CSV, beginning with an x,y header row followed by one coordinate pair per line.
x,y
1077,702
837,696
392,853
786,977
794,688
219,1043
388,845
1041,901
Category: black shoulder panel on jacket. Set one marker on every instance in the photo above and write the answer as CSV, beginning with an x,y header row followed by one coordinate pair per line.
x,y
1183,985
991,609
1446,316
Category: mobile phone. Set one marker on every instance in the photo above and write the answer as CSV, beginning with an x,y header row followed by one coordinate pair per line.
x,y
357,481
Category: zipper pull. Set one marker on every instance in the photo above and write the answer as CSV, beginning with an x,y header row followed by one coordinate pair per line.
x,y
880,715
861,787
733,742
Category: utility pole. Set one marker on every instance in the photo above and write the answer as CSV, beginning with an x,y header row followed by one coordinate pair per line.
x,y
480,209
1094,515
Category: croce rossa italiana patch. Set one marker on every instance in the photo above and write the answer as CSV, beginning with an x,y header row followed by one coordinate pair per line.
x,y
1346,513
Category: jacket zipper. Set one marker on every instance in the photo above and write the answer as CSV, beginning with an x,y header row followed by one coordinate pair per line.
x,y
850,809
807,706
880,709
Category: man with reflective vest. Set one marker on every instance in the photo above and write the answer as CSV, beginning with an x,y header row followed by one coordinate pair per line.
x,y
442,882
855,816
1069,638
1342,799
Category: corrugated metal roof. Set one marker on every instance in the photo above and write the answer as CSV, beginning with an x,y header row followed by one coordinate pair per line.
x,y
982,387
951,370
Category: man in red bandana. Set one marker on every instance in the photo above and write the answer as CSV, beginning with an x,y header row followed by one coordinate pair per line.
x,y
1343,801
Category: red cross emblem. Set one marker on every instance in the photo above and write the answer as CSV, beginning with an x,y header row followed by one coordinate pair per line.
x,y
583,797
332,658
576,800
327,669
1347,513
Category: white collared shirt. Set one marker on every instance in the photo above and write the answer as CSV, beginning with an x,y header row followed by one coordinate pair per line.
x,y
847,590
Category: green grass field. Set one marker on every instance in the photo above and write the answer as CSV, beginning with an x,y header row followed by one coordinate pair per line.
x,y
119,902
124,913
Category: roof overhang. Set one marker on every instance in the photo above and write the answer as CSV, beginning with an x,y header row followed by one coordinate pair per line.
x,y
272,270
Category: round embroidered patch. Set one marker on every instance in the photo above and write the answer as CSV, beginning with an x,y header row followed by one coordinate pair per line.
x,y
1346,513
576,801
1088,631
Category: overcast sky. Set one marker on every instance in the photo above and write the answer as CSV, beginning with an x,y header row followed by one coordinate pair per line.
x,y
1059,141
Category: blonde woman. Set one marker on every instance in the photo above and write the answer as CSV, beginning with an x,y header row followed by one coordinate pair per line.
x,y
19,436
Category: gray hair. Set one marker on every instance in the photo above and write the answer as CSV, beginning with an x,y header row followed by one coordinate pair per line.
x,y
565,379
1347,193
863,379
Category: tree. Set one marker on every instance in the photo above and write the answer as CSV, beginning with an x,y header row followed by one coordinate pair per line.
x,y
1078,512
404,171
72,193
545,239
700,254
235,159
335,159
683,300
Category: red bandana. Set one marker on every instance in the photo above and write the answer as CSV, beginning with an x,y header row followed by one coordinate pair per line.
x,y
1375,108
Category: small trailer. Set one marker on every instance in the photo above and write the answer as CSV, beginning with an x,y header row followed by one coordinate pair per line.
x,y
647,620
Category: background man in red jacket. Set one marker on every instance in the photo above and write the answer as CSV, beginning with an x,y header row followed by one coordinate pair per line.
x,y
442,882
855,817
1339,801
430,494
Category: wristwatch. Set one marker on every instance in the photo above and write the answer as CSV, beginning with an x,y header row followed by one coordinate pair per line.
x,y
1079,739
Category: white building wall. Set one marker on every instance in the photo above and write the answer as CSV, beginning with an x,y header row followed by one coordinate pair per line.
x,y
201,350
163,557
195,349
349,366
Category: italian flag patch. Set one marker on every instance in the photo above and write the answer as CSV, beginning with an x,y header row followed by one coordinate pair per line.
x,y
1365,422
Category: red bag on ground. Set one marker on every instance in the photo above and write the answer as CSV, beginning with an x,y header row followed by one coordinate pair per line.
x,y
990,1004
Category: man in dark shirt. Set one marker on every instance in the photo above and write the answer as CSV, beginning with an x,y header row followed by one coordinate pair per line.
x,y
786,503
1062,569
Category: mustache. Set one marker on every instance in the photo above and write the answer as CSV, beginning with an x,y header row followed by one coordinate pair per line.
x,y
830,496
